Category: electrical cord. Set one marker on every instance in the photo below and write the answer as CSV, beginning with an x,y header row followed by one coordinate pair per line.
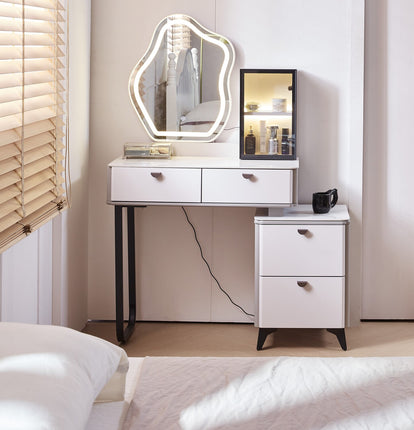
x,y
208,266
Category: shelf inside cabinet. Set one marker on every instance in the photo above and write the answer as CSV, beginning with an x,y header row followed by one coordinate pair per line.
x,y
268,113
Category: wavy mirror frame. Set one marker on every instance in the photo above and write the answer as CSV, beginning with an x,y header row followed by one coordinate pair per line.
x,y
223,82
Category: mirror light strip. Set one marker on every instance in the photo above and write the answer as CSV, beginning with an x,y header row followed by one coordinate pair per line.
x,y
149,56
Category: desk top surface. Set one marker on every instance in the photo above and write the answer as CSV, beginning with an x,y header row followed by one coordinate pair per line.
x,y
205,162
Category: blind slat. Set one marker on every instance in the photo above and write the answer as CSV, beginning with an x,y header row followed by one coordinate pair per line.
x,y
14,10
30,91
48,4
7,24
36,141
9,178
9,151
15,121
37,153
11,219
11,80
36,166
32,39
8,136
9,165
38,178
16,52
9,207
37,192
36,204
9,193
30,130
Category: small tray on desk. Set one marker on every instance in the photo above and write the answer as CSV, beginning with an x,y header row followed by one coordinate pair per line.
x,y
156,150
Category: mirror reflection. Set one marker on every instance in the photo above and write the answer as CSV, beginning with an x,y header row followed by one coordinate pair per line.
x,y
180,88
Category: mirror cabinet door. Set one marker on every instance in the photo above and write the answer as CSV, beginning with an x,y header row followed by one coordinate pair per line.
x,y
180,88
268,114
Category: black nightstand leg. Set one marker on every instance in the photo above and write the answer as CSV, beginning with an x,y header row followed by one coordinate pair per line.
x,y
340,334
263,333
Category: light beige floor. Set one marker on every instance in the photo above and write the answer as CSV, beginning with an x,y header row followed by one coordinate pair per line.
x,y
220,340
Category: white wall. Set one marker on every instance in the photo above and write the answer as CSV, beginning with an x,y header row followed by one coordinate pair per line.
x,y
43,278
388,234
317,37
388,283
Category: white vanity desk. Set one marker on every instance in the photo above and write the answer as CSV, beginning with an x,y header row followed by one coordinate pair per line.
x,y
190,181
203,181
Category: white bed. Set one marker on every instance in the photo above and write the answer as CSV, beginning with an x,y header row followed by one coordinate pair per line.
x,y
284,393
56,378
111,415
51,376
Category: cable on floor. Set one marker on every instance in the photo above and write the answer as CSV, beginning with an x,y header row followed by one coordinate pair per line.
x,y
208,266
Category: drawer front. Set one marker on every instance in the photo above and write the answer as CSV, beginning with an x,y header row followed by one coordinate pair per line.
x,y
247,186
302,250
131,184
319,304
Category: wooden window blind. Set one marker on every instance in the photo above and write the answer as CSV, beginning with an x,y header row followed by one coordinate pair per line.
x,y
33,149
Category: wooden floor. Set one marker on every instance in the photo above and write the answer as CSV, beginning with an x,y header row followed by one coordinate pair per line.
x,y
239,340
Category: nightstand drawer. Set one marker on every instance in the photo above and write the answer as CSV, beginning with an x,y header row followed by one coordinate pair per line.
x,y
247,186
302,250
310,302
130,184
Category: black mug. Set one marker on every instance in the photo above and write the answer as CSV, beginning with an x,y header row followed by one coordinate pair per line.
x,y
323,202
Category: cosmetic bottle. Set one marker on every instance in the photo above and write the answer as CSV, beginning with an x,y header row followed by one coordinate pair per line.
x,y
285,141
250,142
273,139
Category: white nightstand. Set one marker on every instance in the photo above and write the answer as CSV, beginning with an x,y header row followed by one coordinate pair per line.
x,y
300,271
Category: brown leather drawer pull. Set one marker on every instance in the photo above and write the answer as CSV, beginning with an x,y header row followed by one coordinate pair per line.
x,y
302,284
302,231
156,175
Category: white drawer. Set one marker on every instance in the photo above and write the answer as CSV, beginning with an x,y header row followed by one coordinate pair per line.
x,y
283,303
132,184
302,250
247,186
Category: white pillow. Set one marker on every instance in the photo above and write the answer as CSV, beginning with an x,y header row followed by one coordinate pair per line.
x,y
50,376
206,111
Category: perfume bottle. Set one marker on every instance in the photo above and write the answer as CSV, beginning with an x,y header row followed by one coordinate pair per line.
x,y
285,141
273,139
250,142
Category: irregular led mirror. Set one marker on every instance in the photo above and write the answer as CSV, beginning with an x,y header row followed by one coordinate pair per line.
x,y
180,88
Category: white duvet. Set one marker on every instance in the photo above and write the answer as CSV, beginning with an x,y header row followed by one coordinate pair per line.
x,y
274,393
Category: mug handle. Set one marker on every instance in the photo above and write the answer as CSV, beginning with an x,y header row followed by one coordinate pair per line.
x,y
334,194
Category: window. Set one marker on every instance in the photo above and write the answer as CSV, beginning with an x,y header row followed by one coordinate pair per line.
x,y
32,115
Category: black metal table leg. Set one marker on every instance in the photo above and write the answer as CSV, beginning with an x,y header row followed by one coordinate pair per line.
x,y
121,334
340,334
263,333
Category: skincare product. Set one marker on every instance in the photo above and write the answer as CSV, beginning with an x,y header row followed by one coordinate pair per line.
x,y
250,142
285,141
273,139
279,105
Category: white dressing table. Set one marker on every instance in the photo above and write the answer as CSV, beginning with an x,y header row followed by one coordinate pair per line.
x,y
190,181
